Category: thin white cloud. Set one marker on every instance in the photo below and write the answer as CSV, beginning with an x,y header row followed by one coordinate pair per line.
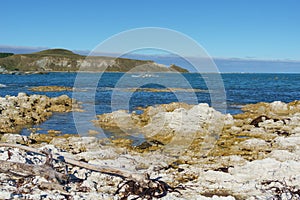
x,y
20,49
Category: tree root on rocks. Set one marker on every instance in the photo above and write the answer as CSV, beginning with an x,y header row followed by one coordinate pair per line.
x,y
154,188
134,183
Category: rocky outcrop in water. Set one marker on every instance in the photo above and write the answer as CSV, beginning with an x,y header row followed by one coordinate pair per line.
x,y
168,121
262,121
17,111
50,89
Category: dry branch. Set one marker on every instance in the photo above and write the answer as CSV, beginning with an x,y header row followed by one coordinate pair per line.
x,y
135,183
27,170
139,177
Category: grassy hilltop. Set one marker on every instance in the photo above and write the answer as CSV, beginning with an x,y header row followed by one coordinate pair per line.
x,y
65,60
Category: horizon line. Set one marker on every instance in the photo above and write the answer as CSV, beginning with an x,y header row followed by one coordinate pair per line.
x,y
31,49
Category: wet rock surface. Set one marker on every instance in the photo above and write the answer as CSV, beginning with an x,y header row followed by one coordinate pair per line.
x,y
51,88
242,159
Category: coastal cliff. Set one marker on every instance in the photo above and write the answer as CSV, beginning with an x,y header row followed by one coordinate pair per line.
x,y
65,60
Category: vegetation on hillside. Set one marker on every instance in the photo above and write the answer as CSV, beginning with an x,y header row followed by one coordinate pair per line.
x,y
3,55
178,69
65,60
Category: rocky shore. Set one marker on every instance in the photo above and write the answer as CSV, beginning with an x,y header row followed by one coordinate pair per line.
x,y
201,152
21,110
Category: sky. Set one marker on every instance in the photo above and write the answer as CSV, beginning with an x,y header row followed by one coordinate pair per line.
x,y
258,29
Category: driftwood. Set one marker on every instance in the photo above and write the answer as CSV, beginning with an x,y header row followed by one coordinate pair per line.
x,y
134,183
27,170
103,169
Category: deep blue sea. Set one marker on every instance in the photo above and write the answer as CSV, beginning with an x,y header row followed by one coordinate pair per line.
x,y
112,91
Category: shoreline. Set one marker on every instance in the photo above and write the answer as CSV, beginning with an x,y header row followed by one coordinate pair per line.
x,y
168,72
264,138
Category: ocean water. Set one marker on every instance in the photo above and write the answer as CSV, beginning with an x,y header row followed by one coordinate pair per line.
x,y
106,92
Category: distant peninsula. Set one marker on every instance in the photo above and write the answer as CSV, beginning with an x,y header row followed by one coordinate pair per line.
x,y
62,60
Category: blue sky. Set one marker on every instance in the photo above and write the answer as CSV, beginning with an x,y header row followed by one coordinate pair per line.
x,y
261,29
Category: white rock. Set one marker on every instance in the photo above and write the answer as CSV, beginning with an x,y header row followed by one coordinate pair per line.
x,y
288,143
283,155
5,194
101,155
236,129
15,155
254,144
296,131
14,138
266,169
278,107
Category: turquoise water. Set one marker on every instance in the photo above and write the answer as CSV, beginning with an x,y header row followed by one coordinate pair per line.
x,y
115,90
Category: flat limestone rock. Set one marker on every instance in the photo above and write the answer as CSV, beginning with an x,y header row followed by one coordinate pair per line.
x,y
51,88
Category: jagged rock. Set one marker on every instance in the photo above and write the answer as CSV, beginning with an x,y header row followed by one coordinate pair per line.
x,y
77,144
291,143
254,144
275,109
17,111
285,155
244,162
164,122
14,139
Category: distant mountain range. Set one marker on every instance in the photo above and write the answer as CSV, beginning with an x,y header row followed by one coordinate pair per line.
x,y
65,60
224,65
